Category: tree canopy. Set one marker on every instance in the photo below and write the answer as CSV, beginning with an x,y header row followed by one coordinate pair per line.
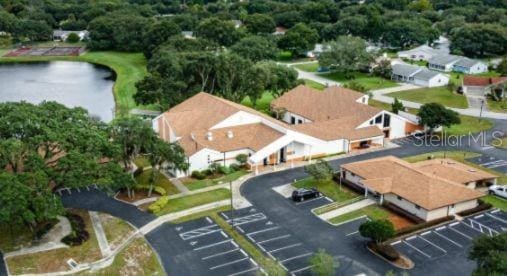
x,y
345,54
490,253
434,115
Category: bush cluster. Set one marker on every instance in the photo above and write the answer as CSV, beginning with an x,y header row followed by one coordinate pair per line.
x,y
79,234
224,170
157,189
158,205
385,250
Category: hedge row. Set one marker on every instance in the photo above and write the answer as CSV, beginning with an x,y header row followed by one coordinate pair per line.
x,y
79,234
158,205
157,189
423,225
385,250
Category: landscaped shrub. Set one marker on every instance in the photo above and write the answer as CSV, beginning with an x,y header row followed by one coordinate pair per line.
x,y
242,159
198,175
481,207
158,205
79,234
410,229
138,171
73,38
225,170
235,167
157,189
207,172
385,250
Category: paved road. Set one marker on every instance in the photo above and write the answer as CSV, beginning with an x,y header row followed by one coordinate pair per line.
x,y
3,270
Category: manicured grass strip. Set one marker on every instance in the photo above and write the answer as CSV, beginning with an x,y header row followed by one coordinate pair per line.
x,y
368,81
269,265
202,214
497,106
329,188
182,203
314,85
308,67
497,202
129,68
262,105
137,258
374,212
432,95
162,181
194,184
469,125
459,156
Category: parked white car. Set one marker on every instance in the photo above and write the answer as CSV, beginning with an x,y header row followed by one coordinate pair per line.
x,y
498,190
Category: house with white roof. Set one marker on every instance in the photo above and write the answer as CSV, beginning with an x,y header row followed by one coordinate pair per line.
x,y
62,35
448,63
423,52
312,124
418,75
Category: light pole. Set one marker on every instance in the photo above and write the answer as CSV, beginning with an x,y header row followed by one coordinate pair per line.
x,y
482,106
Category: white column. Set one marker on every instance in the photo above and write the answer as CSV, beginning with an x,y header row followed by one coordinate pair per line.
x,y
381,199
365,191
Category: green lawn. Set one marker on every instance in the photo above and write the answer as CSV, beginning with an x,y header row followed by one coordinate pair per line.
x,y
194,184
416,62
374,212
329,188
434,94
129,68
308,67
497,202
314,85
262,105
469,125
497,106
15,237
162,181
368,81
459,156
194,200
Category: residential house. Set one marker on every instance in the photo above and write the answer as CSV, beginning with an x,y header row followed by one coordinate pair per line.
x,y
317,50
61,35
423,52
418,75
188,34
429,190
211,129
280,31
448,63
482,86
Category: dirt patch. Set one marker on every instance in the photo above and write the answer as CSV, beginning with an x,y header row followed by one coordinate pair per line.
x,y
399,222
117,231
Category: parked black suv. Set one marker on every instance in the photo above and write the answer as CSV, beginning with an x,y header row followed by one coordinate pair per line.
x,y
304,194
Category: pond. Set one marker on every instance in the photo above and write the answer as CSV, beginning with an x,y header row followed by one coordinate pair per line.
x,y
69,83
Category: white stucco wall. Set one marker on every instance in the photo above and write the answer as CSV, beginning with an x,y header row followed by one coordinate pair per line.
x,y
288,115
406,205
238,118
397,129
478,68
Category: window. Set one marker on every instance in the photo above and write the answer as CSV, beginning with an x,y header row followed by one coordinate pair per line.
x,y
387,120
353,174
371,122
292,120
417,207
209,159
378,120
300,121
400,198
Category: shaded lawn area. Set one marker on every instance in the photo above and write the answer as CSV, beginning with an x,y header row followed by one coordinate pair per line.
x,y
129,69
329,188
14,237
195,184
373,212
314,84
432,95
469,125
308,67
137,258
262,105
496,201
496,106
142,161
368,81
56,260
162,181
459,156
194,200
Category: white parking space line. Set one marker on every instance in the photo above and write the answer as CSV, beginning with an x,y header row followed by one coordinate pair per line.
x,y
223,234
301,269
243,252
219,254
307,201
274,239
263,230
198,232
226,264
444,237
244,271
248,219
434,244
209,220
489,230
285,247
350,234
213,244
417,249
497,218
464,235
328,199
297,257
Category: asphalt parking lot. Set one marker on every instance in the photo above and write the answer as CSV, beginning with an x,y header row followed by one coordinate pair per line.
x,y
213,250
311,204
491,162
272,239
451,241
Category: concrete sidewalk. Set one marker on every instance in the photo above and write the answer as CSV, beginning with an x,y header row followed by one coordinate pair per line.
x,y
347,209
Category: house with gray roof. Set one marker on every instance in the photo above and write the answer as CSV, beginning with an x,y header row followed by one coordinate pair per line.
x,y
448,63
62,35
423,52
418,75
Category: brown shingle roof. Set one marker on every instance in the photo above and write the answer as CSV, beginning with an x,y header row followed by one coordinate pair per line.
x,y
482,81
393,175
332,103
339,129
453,171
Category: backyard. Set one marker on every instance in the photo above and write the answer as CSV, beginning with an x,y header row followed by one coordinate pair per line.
x,y
432,95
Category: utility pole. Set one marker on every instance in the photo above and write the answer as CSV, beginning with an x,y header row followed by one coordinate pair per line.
x,y
232,206
482,106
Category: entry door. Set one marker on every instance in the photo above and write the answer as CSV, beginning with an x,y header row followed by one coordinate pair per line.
x,y
282,155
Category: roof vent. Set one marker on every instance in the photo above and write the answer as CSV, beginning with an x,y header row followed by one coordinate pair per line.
x,y
209,136
230,134
471,170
